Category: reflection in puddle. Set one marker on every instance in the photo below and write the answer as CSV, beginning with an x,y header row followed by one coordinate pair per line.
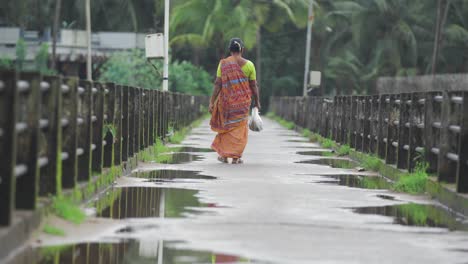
x,y
359,181
418,215
161,176
131,251
334,163
193,149
138,202
325,153
178,158
298,141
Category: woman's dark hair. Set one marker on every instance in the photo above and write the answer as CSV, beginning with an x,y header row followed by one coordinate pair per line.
x,y
236,45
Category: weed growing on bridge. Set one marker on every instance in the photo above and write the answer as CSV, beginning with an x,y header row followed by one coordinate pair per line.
x,y
306,133
414,182
51,230
179,136
328,143
344,150
371,163
68,210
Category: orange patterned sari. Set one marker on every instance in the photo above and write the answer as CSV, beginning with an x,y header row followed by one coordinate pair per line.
x,y
231,111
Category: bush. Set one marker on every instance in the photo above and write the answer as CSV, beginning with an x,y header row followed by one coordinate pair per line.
x,y
371,163
415,182
344,150
131,68
328,143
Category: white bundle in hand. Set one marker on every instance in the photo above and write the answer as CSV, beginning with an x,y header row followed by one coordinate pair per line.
x,y
255,122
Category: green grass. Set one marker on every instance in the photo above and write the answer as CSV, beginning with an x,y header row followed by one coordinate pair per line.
x,y
306,133
179,135
328,143
68,210
343,150
415,182
51,230
371,163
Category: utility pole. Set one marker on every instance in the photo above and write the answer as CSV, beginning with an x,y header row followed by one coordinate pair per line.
x,y
310,21
89,63
58,6
166,47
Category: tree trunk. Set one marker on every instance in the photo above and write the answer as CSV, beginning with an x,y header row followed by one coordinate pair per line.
x,y
440,24
55,30
258,63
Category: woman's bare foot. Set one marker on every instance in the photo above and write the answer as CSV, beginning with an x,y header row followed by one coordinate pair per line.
x,y
222,159
237,161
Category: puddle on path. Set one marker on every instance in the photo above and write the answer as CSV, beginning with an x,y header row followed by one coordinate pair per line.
x,y
131,251
418,215
162,176
298,141
193,149
358,181
178,158
334,163
323,153
140,202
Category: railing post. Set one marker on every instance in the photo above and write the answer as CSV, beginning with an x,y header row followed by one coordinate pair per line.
x,y
151,117
28,141
359,123
432,129
374,124
117,120
449,135
131,120
69,132
97,121
462,171
393,118
404,127
51,113
83,151
366,129
9,107
109,116
353,122
125,122
383,126
416,135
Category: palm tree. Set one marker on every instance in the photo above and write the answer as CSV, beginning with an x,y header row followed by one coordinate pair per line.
x,y
212,22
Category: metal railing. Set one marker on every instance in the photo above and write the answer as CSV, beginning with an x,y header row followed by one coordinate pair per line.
x,y
55,132
401,129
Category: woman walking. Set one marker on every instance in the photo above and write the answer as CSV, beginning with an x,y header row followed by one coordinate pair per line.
x,y
230,103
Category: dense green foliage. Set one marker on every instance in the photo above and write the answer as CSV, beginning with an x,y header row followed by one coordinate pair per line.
x,y
131,68
354,41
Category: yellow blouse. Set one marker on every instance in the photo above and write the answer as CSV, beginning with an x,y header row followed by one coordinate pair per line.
x,y
248,69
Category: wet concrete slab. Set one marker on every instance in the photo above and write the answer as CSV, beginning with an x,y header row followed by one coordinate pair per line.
x,y
269,210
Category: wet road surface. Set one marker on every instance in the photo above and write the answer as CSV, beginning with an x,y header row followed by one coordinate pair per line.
x,y
286,204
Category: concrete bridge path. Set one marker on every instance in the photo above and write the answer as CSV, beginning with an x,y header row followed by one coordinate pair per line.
x,y
274,210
